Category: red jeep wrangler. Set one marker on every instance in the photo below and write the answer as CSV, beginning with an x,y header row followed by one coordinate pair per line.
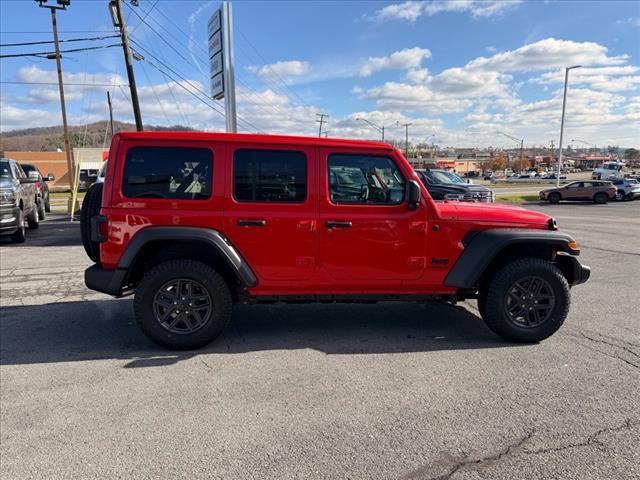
x,y
193,222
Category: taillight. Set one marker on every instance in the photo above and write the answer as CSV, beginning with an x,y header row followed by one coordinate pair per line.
x,y
99,229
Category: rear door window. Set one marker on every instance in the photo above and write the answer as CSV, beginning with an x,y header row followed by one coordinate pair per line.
x,y
269,176
168,172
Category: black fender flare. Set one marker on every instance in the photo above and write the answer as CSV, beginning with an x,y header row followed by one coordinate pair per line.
x,y
481,248
212,237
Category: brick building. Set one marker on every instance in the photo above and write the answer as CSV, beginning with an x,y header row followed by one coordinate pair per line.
x,y
56,162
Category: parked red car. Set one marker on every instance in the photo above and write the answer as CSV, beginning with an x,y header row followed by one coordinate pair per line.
x,y
195,222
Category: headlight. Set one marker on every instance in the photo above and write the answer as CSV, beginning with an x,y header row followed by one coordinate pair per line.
x,y
7,196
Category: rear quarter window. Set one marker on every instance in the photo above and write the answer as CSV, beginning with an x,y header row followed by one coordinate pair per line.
x,y
168,172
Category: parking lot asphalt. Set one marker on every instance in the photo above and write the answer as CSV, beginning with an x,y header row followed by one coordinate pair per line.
x,y
386,391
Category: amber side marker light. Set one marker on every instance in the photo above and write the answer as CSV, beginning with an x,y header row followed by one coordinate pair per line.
x,y
573,245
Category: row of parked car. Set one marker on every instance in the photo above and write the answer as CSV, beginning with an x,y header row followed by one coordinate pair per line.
x,y
24,196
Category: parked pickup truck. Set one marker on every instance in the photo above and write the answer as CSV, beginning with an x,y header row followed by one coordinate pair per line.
x,y
192,223
18,201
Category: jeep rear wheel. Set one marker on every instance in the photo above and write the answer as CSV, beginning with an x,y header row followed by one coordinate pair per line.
x,y
527,300
182,304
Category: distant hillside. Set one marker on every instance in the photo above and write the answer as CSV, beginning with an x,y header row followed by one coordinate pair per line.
x,y
50,138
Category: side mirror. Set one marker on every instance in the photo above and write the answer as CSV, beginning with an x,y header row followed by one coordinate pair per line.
x,y
50,177
413,194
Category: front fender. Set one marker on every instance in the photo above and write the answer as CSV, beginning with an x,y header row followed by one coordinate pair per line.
x,y
483,247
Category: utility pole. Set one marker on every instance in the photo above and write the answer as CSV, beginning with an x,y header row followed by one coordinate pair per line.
x,y
321,121
110,112
115,8
62,5
406,139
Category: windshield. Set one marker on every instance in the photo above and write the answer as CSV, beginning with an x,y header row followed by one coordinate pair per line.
x,y
5,170
442,177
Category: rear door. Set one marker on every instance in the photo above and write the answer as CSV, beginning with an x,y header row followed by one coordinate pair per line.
x,y
368,236
270,211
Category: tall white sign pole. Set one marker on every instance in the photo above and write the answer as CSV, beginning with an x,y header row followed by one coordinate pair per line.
x,y
229,68
221,64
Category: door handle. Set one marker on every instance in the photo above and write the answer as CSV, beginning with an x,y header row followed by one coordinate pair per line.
x,y
252,223
338,224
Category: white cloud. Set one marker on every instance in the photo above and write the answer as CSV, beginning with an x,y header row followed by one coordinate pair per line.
x,y
401,60
411,10
14,118
414,98
614,79
548,54
633,21
282,70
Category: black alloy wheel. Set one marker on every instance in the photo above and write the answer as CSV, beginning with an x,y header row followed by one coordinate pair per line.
x,y
529,302
182,306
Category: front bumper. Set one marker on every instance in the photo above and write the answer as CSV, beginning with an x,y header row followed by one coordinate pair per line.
x,y
574,271
9,220
99,279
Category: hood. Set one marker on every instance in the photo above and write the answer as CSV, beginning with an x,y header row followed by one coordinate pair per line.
x,y
493,213
6,184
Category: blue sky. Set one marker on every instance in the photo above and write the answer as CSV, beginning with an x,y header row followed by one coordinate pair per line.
x,y
457,71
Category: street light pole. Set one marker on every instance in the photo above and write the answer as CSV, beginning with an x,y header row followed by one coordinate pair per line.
x,y
564,104
406,138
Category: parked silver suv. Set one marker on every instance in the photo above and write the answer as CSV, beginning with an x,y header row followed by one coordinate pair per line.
x,y
627,189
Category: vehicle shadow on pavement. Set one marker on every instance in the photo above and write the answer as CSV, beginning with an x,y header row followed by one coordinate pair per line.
x,y
55,231
106,329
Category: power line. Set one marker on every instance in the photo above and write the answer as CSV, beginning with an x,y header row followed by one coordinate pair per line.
x,y
66,83
145,16
151,18
59,41
49,32
45,54
206,102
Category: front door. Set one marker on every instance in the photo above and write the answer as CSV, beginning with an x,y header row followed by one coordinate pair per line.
x,y
368,235
270,216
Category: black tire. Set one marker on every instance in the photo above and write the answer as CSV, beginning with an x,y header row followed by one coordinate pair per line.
x,y
554,197
47,204
20,235
620,195
33,219
42,214
500,292
600,198
154,283
482,302
90,207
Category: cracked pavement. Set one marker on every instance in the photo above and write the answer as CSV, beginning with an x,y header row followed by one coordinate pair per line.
x,y
387,391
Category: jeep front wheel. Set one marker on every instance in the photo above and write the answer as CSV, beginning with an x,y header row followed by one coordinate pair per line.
x,y
182,304
527,300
